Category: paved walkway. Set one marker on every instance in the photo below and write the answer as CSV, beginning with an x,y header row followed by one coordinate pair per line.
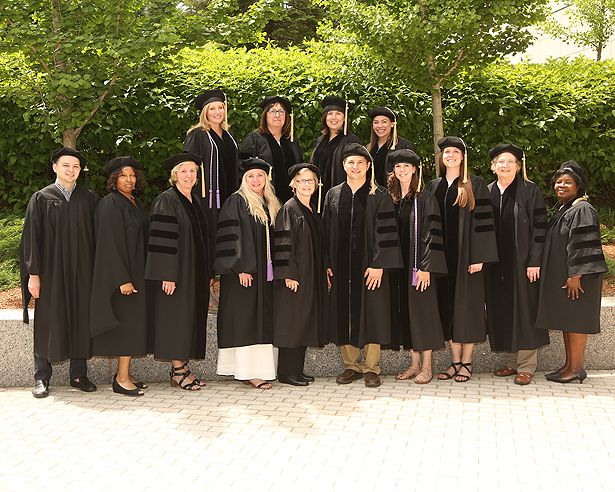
x,y
488,434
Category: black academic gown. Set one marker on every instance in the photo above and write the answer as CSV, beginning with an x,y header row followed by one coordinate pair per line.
x,y
118,323
327,156
379,156
512,301
178,252
245,314
221,166
57,244
361,232
572,247
299,317
469,238
415,319
280,156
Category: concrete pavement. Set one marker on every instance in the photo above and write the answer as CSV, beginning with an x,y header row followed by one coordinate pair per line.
x,y
484,435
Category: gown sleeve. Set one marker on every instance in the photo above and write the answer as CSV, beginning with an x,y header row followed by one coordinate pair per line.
x,y
163,247
584,247
387,251
111,265
235,251
483,245
284,261
433,259
30,251
538,213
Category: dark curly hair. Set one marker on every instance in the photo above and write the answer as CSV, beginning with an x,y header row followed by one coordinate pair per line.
x,y
113,177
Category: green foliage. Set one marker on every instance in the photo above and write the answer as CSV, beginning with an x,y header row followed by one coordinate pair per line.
x,y
10,233
591,23
431,40
557,111
610,263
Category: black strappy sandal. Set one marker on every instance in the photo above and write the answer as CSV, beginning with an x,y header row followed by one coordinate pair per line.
x,y
462,378
446,376
184,372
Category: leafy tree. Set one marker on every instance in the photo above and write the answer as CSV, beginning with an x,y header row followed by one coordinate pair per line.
x,y
299,21
431,41
591,23
84,50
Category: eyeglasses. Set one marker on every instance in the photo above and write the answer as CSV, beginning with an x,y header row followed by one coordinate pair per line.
x,y
506,163
277,112
306,181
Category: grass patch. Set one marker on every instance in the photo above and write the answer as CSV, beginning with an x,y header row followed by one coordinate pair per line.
x,y
607,224
610,262
10,234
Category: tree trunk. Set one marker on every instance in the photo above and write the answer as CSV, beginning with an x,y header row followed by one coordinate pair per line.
x,y
438,125
599,53
69,137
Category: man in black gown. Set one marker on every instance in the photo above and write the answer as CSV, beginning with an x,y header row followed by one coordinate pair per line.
x,y
56,262
361,233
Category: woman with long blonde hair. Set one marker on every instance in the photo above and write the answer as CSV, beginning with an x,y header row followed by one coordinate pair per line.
x,y
244,260
212,141
469,242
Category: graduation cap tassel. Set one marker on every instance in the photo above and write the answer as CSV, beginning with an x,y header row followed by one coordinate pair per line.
x,y
226,111
524,168
418,188
346,119
86,177
202,181
292,126
465,166
270,173
373,180
394,135
319,193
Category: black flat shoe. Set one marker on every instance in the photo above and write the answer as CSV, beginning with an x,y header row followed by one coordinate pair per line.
x,y
295,381
581,375
41,388
304,377
84,384
140,384
118,388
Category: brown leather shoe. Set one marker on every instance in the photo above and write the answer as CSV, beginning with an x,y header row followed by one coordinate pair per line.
x,y
504,372
348,376
524,378
372,380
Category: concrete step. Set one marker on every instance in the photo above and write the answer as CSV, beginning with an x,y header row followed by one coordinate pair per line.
x,y
17,366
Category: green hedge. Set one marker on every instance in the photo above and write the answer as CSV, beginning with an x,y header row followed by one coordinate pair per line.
x,y
557,111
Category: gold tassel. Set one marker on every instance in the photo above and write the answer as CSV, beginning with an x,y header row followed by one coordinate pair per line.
x,y
292,126
524,168
202,181
346,119
418,188
465,165
394,135
270,173
319,193
373,183
226,111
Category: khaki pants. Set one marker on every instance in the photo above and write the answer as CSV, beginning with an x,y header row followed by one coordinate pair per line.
x,y
522,361
371,362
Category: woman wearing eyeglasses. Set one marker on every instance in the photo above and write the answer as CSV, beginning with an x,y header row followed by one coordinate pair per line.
x,y
300,291
273,142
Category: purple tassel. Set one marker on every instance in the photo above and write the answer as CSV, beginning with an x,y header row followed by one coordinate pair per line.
x,y
217,198
210,199
269,271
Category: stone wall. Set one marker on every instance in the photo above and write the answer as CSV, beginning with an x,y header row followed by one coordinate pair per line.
x,y
16,368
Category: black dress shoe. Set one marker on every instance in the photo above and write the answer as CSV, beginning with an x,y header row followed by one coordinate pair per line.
x,y
118,388
84,384
295,381
304,377
41,388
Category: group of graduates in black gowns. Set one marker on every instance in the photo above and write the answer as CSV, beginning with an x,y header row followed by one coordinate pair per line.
x,y
395,266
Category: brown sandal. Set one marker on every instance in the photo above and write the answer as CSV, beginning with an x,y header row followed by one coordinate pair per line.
x,y
423,377
408,373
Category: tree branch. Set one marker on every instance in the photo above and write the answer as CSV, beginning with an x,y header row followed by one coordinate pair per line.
x,y
99,102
